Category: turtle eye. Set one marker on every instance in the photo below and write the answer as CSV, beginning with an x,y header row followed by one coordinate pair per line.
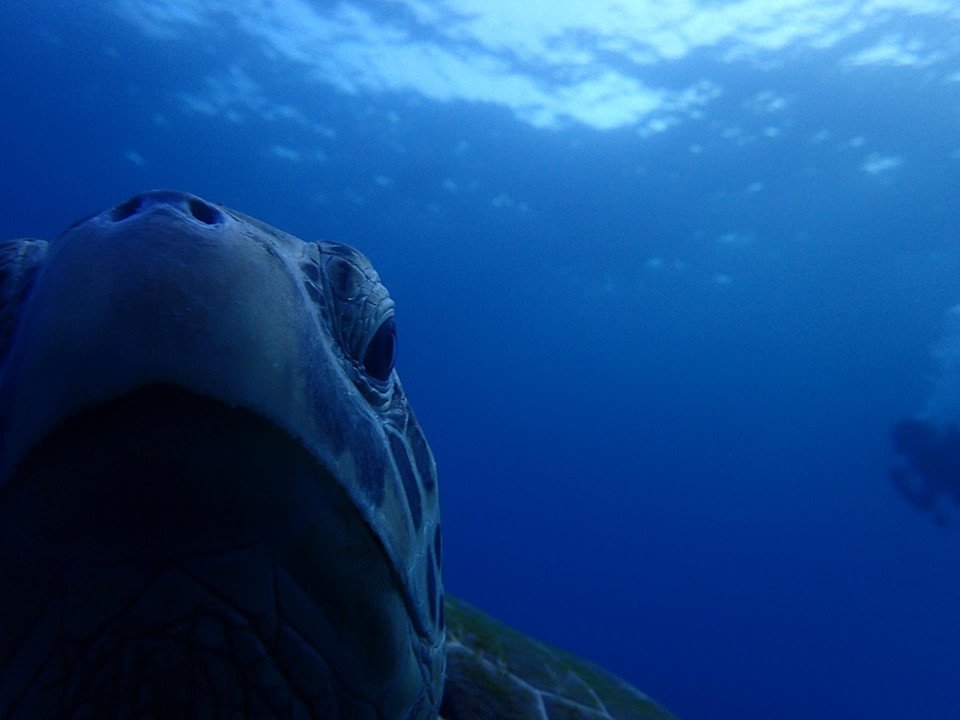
x,y
381,351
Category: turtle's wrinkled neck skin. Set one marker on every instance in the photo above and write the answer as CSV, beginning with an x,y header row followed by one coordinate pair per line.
x,y
215,500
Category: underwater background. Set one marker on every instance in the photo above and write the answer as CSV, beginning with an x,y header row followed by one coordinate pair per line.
x,y
667,274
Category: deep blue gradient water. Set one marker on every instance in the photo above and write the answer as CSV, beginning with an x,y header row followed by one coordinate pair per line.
x,y
658,355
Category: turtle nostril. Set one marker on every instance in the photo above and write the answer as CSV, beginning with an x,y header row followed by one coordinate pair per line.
x,y
204,213
167,200
126,208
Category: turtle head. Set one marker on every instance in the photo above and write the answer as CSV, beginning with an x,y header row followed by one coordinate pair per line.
x,y
213,490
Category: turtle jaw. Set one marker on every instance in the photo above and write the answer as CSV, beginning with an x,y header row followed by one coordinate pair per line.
x,y
181,543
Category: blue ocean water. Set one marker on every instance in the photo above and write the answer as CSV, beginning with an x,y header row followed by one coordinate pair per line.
x,y
667,276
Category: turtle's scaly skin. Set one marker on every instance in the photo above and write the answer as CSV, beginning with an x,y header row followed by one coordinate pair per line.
x,y
494,671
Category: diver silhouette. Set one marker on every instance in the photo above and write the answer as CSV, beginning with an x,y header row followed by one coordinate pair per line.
x,y
933,459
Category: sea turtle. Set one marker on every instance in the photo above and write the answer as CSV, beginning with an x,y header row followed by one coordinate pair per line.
x,y
215,500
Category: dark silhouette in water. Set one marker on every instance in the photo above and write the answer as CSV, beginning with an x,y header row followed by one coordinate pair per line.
x,y
933,460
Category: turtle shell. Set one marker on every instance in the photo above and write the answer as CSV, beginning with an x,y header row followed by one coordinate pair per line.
x,y
494,671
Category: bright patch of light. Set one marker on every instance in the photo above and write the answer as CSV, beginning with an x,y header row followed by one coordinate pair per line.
x,y
766,102
877,163
285,153
551,63
134,157
658,125
894,51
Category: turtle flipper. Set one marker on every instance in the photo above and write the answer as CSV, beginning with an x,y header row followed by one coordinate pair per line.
x,y
494,671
